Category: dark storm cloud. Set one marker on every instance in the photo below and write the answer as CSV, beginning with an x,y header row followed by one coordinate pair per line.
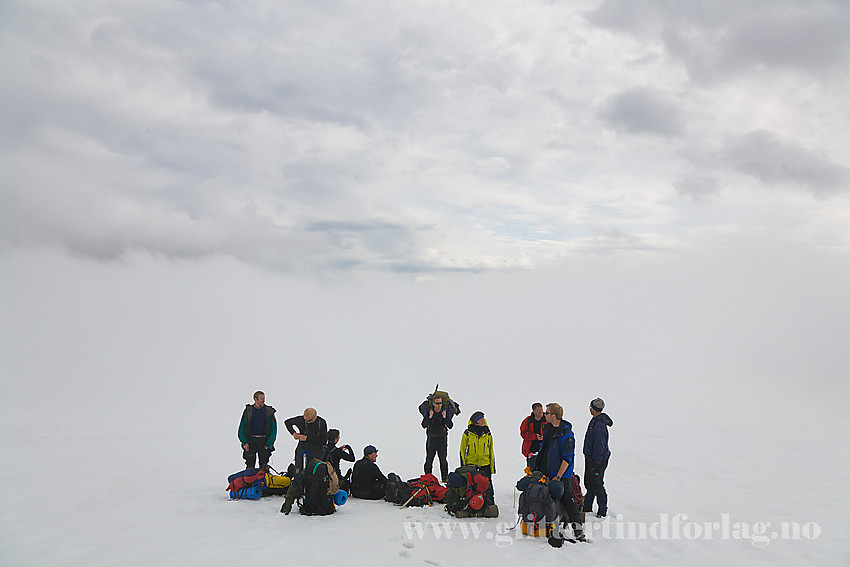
x,y
697,187
774,161
717,39
642,110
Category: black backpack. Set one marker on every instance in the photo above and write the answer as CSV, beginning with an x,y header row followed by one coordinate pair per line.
x,y
448,402
398,491
315,500
536,504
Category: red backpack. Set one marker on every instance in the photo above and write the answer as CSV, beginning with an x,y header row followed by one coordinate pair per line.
x,y
477,482
428,481
578,497
246,478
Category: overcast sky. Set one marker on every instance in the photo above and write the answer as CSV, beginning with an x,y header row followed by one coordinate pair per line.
x,y
423,136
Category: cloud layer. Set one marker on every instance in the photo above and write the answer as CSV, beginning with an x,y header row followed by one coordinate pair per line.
x,y
422,137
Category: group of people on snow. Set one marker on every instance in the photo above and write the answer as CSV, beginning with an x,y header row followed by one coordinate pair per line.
x,y
548,444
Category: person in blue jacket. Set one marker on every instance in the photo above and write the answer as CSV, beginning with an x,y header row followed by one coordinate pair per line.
x,y
556,460
596,454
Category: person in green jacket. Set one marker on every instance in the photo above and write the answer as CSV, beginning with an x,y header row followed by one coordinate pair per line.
x,y
476,448
257,432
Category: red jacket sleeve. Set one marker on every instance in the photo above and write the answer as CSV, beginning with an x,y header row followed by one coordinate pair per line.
x,y
528,435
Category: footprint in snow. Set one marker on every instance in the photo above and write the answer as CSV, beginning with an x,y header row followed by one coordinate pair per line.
x,y
404,553
409,544
432,562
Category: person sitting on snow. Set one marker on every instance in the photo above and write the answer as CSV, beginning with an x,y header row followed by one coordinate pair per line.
x,y
367,480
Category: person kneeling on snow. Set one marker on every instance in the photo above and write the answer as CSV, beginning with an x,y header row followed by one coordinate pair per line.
x,y
334,455
311,432
476,448
367,480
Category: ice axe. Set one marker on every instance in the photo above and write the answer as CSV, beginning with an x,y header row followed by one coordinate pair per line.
x,y
412,496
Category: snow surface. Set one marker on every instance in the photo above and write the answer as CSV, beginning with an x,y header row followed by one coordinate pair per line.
x,y
153,495
122,395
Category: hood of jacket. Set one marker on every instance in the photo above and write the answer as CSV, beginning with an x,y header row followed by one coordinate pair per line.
x,y
478,429
562,429
605,418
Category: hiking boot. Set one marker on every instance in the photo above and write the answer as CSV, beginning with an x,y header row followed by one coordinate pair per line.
x,y
601,513
578,530
286,508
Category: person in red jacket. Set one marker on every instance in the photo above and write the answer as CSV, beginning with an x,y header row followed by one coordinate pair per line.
x,y
531,431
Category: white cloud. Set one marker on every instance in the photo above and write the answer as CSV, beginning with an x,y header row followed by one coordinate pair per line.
x,y
416,137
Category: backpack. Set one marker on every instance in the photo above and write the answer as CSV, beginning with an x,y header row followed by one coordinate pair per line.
x,y
247,493
436,492
244,479
276,484
400,492
393,488
468,499
578,497
318,489
537,510
448,402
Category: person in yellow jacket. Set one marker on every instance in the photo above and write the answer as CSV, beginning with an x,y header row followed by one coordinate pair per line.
x,y
476,448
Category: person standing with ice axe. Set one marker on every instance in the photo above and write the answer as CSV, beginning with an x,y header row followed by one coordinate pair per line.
x,y
437,416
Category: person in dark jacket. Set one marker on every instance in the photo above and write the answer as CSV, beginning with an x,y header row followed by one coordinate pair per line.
x,y
531,431
311,432
596,455
367,480
556,460
257,432
436,421
334,455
